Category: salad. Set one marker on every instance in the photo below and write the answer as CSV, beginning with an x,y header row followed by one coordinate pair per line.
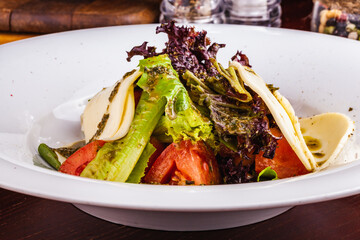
x,y
182,118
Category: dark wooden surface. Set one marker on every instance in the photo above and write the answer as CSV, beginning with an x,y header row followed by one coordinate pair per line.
x,y
27,217
47,16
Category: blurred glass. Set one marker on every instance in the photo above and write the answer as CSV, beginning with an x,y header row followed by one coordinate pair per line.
x,y
337,17
192,11
254,12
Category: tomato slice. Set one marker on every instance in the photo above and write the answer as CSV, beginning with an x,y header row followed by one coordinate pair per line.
x,y
185,163
161,170
285,162
76,163
160,147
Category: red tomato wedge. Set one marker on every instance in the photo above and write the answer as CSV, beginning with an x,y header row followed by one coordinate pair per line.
x,y
76,163
163,167
285,162
185,163
160,147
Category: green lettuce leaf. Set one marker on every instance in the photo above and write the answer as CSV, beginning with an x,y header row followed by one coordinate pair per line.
x,y
141,165
182,121
116,160
235,113
162,90
267,174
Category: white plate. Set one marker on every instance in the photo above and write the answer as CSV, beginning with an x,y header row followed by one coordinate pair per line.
x,y
46,81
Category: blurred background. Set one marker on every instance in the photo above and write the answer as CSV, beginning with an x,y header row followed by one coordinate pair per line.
x,y
25,18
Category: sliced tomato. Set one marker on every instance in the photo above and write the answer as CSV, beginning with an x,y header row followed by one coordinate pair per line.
x,y
160,147
161,170
185,163
285,162
76,163
196,162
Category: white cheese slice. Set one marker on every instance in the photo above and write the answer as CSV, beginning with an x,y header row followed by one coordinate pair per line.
x,y
317,140
119,112
326,135
288,125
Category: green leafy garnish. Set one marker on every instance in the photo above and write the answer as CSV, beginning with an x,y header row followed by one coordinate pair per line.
x,y
141,165
267,174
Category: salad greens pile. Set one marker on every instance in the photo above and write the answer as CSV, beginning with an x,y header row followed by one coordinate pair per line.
x,y
162,93
241,121
186,95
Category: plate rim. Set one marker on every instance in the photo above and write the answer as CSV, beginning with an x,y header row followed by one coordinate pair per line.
x,y
42,174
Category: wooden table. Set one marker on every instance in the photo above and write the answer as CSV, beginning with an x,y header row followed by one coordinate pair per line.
x,y
27,217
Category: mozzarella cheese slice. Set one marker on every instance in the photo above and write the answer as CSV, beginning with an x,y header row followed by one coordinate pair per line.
x,y
328,131
108,115
326,135
289,128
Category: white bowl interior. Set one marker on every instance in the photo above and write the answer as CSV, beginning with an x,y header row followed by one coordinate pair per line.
x,y
46,81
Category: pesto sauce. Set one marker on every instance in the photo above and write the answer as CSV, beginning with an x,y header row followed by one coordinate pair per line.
x,y
114,92
272,88
312,143
69,150
321,163
155,75
128,73
319,154
100,126
116,88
